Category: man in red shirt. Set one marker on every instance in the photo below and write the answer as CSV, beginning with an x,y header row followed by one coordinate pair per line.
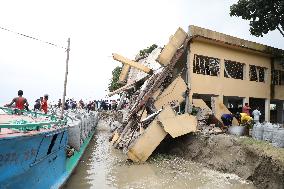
x,y
19,101
246,109
44,104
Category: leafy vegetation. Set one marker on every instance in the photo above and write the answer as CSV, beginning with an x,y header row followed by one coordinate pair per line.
x,y
114,84
148,50
264,15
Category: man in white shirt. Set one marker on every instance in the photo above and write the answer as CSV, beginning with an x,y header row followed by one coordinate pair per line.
x,y
256,113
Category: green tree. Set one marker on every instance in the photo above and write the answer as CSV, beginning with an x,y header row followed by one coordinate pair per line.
x,y
148,50
264,15
114,84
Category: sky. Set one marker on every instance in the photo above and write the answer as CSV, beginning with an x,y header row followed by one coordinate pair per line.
x,y
96,29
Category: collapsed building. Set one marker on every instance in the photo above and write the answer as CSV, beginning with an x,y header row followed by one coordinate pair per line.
x,y
188,84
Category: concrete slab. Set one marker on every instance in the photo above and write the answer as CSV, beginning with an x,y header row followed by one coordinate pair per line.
x,y
176,41
144,146
179,125
172,95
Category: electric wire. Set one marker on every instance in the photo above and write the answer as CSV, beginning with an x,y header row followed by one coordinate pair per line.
x,y
34,38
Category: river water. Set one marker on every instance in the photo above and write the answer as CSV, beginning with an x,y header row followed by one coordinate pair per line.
x,y
102,166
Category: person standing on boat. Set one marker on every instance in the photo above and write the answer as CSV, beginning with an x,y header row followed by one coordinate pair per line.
x,y
44,104
37,105
20,102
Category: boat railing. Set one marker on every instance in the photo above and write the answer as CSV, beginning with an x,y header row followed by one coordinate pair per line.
x,y
28,126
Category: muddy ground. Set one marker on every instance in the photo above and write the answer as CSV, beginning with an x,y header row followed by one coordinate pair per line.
x,y
253,160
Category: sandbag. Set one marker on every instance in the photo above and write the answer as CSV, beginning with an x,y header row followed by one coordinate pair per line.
x,y
278,138
257,131
74,135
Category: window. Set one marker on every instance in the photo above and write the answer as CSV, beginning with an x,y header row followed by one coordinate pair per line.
x,y
277,77
234,69
206,65
256,73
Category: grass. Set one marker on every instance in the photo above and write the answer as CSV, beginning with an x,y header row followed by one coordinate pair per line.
x,y
265,148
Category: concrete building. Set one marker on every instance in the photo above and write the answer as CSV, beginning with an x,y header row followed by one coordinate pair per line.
x,y
236,71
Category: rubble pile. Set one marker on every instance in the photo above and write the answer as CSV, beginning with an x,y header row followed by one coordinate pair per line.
x,y
157,106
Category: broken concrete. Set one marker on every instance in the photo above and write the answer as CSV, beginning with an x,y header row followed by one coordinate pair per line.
x,y
151,106
179,125
143,147
173,95
171,48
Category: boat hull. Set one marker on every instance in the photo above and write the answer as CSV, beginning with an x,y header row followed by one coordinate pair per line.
x,y
35,161
38,158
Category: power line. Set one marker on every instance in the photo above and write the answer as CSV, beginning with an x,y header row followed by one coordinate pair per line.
x,y
30,37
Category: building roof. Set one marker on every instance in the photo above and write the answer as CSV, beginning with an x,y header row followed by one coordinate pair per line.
x,y
198,32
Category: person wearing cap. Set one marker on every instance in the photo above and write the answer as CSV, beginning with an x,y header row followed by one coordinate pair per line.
x,y
20,102
44,103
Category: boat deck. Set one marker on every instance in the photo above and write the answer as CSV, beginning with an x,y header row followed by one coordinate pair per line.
x,y
6,119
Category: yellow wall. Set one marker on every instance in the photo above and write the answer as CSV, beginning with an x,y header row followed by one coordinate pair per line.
x,y
204,84
279,92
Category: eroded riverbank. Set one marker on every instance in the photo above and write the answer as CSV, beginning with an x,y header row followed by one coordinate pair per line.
x,y
102,166
250,159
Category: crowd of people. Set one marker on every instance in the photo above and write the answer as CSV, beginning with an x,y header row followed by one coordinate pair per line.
x,y
41,104
90,106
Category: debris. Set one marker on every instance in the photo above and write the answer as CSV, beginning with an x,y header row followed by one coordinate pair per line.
x,y
131,63
151,105
203,113
179,125
158,104
173,95
171,48
143,146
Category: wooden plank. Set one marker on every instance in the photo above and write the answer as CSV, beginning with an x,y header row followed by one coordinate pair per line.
x,y
173,94
134,64
171,48
179,125
125,87
114,138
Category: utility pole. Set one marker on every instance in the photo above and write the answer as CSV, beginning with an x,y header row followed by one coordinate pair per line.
x,y
65,81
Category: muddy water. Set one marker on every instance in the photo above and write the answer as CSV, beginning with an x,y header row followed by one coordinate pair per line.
x,y
105,167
